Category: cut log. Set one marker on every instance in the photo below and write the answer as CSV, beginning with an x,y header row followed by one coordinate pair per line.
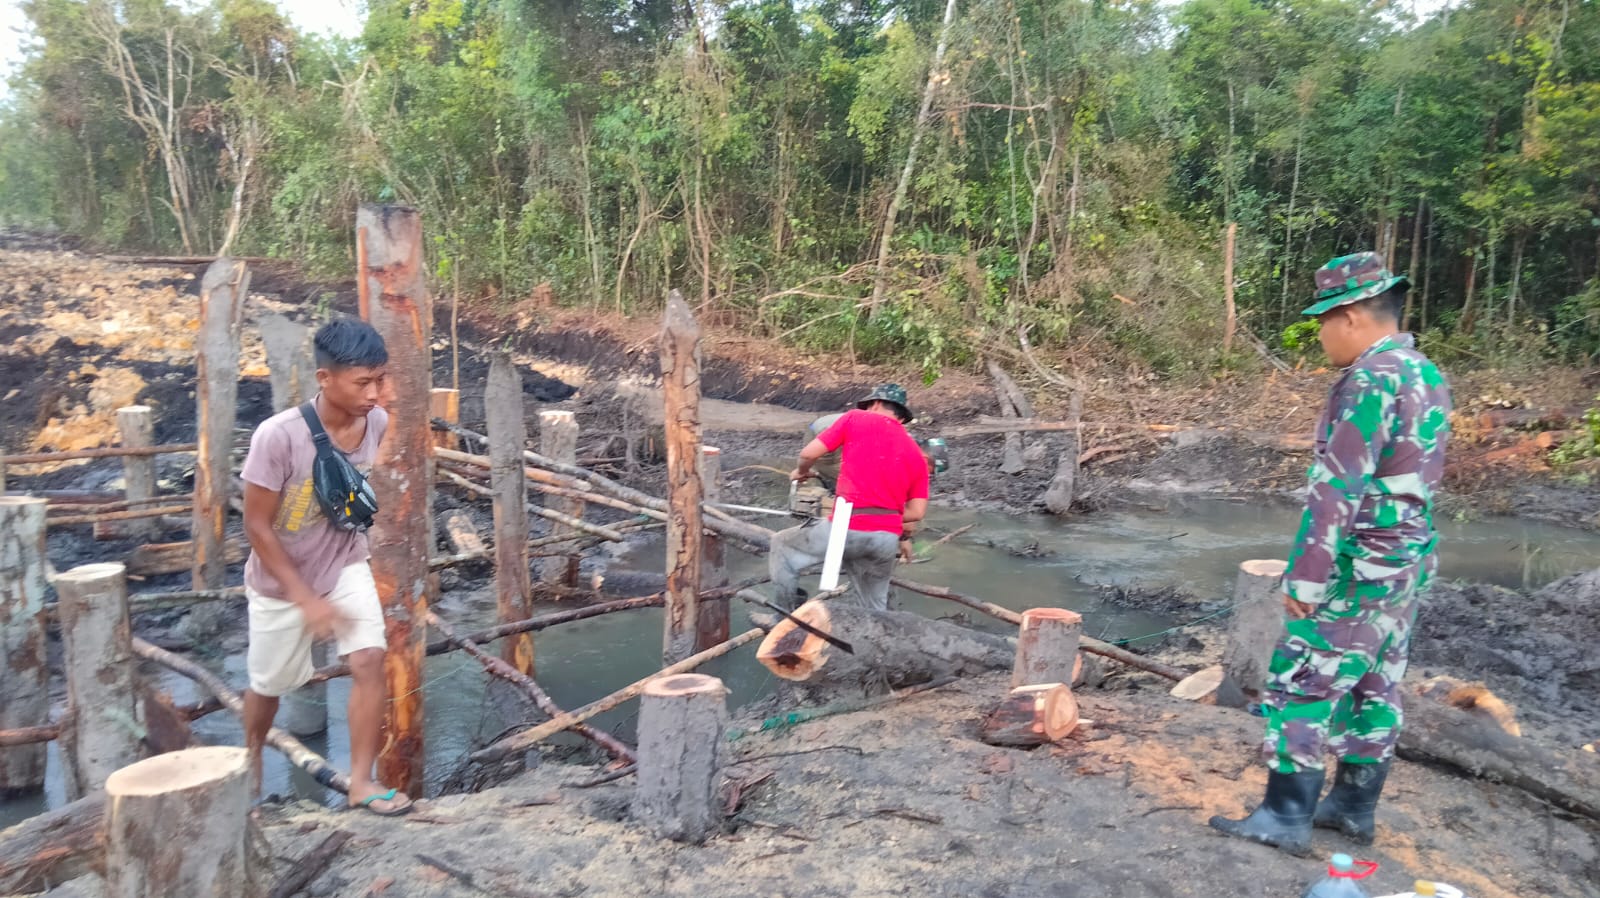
x,y
32,458
135,425
101,732
508,433
1063,486
1047,647
1209,687
558,439
24,676
681,723
53,847
178,824
680,389
1438,733
1031,715
1253,628
170,558
893,649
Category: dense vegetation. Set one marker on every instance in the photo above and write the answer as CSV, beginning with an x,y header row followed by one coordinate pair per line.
x,y
901,177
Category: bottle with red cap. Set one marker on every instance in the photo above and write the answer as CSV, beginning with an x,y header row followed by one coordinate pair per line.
x,y
1343,879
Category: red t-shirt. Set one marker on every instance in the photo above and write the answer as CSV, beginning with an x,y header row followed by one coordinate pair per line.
x,y
880,466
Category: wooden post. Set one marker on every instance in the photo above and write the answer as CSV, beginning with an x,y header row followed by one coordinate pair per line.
x,y
103,728
222,294
1253,630
24,676
291,361
712,619
680,379
1047,647
1227,290
178,824
397,303
508,434
558,440
681,723
138,474
445,403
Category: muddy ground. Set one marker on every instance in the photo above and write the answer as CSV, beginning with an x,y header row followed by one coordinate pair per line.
x,y
895,801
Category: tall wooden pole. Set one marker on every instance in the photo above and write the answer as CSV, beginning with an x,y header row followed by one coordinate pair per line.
x,y
558,440
445,403
222,294
1227,290
104,724
508,434
680,379
397,304
24,676
138,471
713,616
291,361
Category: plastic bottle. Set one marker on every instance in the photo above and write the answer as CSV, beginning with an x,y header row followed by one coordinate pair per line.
x,y
1343,879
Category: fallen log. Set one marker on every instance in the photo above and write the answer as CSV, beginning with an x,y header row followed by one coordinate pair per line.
x,y
892,649
297,753
547,513
530,737
29,735
1103,649
172,558
1438,733
58,506
991,425
53,847
107,517
1031,715
311,866
532,689
35,458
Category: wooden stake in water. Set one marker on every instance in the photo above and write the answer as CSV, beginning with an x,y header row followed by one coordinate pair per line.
x,y
24,676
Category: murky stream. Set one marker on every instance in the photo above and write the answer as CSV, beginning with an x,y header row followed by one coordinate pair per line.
x,y
1193,544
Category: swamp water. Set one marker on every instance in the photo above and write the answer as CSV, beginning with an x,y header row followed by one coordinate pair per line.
x,y
1017,561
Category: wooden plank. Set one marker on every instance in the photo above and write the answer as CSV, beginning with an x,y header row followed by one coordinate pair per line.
x,y
398,305
680,379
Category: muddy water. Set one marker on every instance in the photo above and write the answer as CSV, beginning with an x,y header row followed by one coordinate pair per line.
x,y
1017,561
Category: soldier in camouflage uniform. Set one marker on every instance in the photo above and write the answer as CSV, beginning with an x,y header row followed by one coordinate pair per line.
x,y
1364,554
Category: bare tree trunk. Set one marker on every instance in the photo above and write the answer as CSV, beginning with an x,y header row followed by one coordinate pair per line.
x,y
886,239
1232,322
1516,277
1288,219
1416,252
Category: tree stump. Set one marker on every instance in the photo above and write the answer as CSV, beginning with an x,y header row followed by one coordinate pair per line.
x,y
1210,686
101,734
1047,647
1253,629
24,676
558,440
136,430
508,434
1031,715
681,723
178,825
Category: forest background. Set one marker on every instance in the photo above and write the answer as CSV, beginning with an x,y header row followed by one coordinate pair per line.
x,y
905,180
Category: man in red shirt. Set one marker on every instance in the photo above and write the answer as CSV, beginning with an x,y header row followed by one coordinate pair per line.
x,y
884,476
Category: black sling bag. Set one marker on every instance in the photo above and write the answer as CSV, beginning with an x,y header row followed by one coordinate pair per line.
x,y
344,494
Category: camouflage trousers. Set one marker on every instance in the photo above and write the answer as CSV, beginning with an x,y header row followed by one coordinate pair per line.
x,y
1334,680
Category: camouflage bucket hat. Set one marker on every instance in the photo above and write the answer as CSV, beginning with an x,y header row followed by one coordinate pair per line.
x,y
895,395
1352,278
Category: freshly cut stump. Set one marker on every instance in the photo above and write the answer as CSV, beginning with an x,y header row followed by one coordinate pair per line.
x,y
177,824
101,734
1047,647
1253,629
1032,715
681,724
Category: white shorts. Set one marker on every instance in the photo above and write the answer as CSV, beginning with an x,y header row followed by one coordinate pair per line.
x,y
279,657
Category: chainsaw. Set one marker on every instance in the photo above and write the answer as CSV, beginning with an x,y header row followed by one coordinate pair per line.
x,y
809,500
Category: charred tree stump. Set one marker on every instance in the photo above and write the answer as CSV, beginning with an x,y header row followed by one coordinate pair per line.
x,y
135,427
178,824
396,302
102,729
291,361
1047,647
1031,715
680,378
508,433
24,676
558,439
222,294
712,617
1253,630
681,723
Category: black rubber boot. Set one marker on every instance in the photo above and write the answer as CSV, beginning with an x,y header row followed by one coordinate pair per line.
x,y
1349,805
1283,819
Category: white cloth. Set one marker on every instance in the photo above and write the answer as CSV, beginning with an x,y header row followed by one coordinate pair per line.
x,y
279,657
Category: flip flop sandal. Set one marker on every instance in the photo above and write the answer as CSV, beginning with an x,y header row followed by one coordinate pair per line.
x,y
366,804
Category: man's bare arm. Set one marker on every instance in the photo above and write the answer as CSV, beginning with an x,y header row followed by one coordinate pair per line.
x,y
260,507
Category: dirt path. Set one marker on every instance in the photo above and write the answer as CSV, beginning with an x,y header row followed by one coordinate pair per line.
x,y
905,801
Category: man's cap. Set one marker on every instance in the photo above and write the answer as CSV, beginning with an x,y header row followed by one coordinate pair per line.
x,y
895,395
1352,278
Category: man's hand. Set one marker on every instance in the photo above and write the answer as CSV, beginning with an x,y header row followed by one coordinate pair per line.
x,y
1297,610
322,619
907,553
801,475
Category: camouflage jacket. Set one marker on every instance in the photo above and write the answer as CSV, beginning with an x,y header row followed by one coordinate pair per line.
x,y
1379,459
